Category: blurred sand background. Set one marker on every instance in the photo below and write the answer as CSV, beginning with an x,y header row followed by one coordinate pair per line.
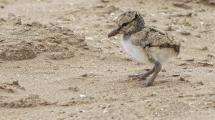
x,y
58,64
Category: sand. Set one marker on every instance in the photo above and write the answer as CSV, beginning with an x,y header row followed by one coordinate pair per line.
x,y
58,64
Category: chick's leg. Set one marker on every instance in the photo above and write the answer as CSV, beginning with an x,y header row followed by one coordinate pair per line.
x,y
157,69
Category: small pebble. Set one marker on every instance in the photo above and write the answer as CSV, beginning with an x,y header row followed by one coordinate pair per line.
x,y
185,33
200,83
82,95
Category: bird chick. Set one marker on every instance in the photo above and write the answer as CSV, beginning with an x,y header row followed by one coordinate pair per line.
x,y
145,44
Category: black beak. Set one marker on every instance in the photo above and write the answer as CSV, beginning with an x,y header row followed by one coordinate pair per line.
x,y
114,32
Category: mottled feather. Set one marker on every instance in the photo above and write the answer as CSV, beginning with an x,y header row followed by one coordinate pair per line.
x,y
152,37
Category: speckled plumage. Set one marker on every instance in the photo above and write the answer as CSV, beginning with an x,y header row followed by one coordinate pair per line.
x,y
150,39
145,43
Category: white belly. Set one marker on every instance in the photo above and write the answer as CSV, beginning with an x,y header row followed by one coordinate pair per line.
x,y
138,52
134,51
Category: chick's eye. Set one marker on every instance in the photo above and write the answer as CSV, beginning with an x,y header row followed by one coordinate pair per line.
x,y
124,24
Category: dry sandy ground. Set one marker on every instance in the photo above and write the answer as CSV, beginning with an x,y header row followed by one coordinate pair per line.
x,y
58,64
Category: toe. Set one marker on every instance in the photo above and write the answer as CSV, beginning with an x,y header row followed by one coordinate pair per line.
x,y
147,84
138,77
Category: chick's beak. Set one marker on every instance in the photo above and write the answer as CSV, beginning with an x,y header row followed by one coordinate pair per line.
x,y
114,32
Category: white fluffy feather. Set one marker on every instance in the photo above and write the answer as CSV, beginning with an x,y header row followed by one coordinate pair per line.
x,y
134,51
139,54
